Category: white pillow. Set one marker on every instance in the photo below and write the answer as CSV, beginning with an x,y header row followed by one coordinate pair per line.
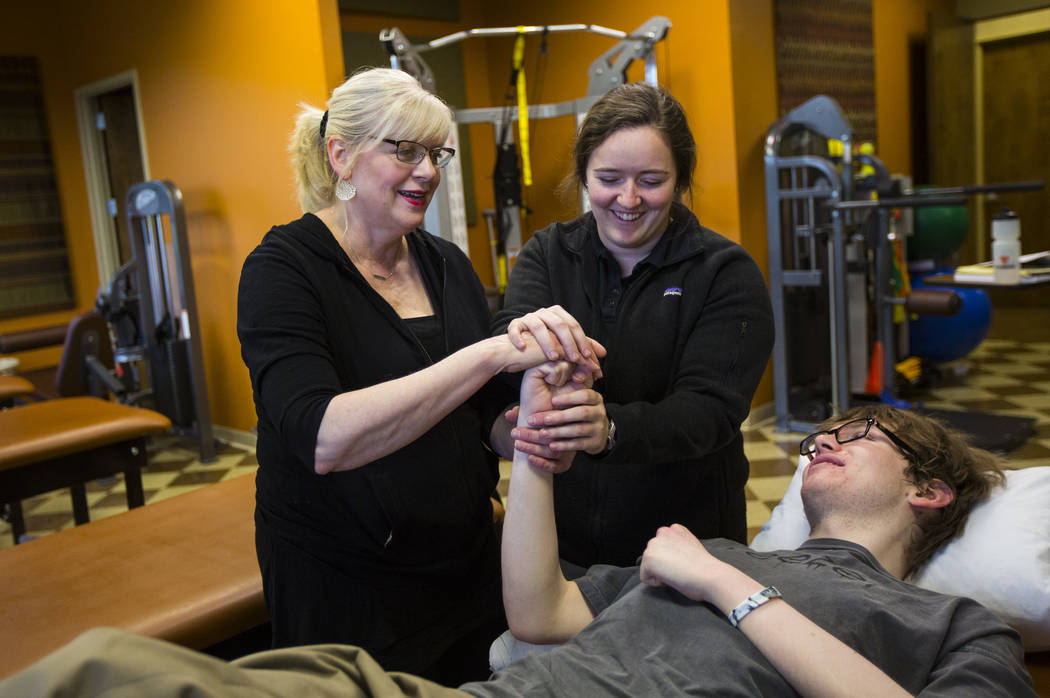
x,y
1002,559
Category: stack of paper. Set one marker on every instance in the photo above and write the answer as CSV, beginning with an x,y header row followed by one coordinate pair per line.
x,y
1034,267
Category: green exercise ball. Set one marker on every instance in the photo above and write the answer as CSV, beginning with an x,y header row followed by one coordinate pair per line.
x,y
939,231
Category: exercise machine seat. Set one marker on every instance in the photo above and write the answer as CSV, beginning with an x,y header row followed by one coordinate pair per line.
x,y
86,336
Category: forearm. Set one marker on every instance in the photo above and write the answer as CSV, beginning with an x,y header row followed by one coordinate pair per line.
x,y
812,660
363,425
541,605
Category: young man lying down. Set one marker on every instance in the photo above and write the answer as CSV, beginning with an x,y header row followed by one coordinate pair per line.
x,y
884,490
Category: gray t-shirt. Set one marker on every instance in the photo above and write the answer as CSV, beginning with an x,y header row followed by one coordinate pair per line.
x,y
648,641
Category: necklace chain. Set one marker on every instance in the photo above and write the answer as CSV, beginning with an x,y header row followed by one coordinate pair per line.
x,y
346,239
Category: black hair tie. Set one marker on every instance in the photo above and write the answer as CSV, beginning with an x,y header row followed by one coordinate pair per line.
x,y
324,122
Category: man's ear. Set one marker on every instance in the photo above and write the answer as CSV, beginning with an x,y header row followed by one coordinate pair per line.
x,y
934,494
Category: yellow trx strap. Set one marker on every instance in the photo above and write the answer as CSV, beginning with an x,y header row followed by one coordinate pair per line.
x,y
501,273
523,108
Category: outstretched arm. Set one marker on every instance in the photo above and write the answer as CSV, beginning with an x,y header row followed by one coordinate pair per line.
x,y
813,661
362,425
542,606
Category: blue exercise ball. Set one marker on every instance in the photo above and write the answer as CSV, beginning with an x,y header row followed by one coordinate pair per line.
x,y
939,338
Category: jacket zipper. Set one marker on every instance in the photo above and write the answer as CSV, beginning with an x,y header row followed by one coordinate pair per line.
x,y
597,481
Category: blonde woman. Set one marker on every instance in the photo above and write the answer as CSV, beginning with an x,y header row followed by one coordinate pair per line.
x,y
365,339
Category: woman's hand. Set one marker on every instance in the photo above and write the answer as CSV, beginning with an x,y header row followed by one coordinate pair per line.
x,y
542,389
514,358
577,421
559,335
528,352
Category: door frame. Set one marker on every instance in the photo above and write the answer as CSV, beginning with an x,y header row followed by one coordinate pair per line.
x,y
107,251
987,31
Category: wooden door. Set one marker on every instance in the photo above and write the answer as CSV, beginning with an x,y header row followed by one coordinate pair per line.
x,y
123,152
1016,103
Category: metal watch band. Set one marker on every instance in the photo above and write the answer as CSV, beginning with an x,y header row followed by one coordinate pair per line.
x,y
751,603
610,440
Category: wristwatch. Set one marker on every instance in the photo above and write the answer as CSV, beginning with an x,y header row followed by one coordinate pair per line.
x,y
610,440
751,603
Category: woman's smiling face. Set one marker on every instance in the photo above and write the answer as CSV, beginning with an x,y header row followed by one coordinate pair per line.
x,y
392,194
631,185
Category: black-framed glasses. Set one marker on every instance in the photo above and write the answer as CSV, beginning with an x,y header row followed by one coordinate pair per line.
x,y
413,153
851,431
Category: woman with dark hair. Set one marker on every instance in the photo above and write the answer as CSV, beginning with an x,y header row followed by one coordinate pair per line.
x,y
367,344
685,317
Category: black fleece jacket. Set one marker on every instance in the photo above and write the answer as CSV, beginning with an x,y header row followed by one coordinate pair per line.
x,y
692,334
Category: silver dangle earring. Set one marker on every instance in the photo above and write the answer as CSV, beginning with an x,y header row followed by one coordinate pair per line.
x,y
345,190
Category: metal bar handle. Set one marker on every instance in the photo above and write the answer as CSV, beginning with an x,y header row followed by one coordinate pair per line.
x,y
388,35
1032,185
898,202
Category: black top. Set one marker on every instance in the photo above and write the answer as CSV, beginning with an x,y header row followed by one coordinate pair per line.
x,y
417,522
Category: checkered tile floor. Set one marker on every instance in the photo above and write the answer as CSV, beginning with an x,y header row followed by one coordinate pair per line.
x,y
1002,376
174,468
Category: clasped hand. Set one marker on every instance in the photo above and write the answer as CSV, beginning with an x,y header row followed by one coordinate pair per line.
x,y
573,418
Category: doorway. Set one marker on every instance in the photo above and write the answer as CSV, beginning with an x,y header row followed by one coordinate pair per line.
x,y
113,144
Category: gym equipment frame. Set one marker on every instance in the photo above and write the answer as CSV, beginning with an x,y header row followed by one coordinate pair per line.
x,y
167,309
448,218
830,250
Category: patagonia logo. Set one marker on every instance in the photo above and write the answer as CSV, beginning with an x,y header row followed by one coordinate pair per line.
x,y
673,291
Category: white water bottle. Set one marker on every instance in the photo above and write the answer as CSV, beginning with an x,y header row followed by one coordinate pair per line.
x,y
1006,247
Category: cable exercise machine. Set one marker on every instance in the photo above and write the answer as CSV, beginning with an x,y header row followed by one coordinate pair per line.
x,y
835,250
151,307
448,218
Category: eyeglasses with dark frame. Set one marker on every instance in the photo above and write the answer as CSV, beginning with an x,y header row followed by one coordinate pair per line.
x,y
851,431
412,153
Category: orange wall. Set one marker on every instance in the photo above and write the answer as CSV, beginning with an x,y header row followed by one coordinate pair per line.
x,y
894,24
219,83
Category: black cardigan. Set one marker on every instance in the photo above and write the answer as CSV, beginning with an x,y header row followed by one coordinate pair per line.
x,y
310,328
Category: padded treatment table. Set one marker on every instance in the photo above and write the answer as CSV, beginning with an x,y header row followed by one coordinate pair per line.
x,y
14,386
182,569
67,442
